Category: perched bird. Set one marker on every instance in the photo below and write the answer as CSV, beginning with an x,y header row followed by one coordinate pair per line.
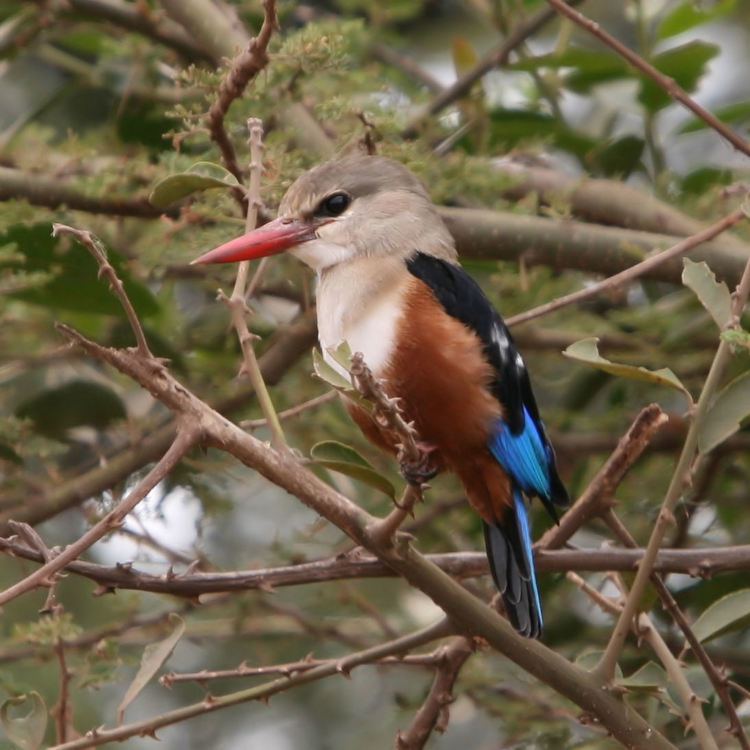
x,y
389,284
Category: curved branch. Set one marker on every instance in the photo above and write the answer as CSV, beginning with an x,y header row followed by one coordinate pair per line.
x,y
562,243
55,193
137,18
672,88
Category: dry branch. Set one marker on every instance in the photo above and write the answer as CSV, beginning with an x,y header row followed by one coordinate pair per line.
x,y
433,715
701,563
342,666
493,59
634,272
669,85
681,476
470,614
186,438
243,69
598,495
143,21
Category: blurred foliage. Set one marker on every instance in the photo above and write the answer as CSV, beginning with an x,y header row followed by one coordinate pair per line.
x,y
113,112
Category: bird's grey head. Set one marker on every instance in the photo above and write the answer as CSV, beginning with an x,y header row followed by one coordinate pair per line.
x,y
354,207
364,206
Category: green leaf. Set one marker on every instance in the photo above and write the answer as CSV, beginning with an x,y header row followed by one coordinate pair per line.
x,y
686,64
464,55
691,13
509,127
8,454
617,158
649,677
726,413
335,456
731,612
328,374
701,180
714,296
737,338
76,403
587,351
73,283
737,113
154,655
204,175
27,731
587,67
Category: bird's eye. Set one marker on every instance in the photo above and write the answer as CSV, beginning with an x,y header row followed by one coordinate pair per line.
x,y
334,205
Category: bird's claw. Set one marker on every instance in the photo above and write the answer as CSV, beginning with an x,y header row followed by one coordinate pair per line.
x,y
418,473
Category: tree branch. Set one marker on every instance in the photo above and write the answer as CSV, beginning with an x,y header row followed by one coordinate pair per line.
x,y
243,69
493,59
700,563
55,193
342,666
669,85
140,19
634,272
598,495
186,438
606,667
433,714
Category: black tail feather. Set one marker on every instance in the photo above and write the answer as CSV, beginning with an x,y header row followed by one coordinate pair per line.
x,y
513,575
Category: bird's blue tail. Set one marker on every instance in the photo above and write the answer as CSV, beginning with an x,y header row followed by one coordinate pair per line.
x,y
511,559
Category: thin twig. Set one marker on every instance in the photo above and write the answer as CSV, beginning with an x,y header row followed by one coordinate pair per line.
x,y
433,714
387,414
289,669
493,59
606,667
95,247
700,563
670,86
598,495
293,411
631,274
341,666
645,629
243,69
236,302
63,710
717,678
186,438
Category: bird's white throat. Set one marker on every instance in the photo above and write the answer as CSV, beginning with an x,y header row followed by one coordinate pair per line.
x,y
361,302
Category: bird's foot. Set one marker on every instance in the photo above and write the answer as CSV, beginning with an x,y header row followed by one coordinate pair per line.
x,y
418,472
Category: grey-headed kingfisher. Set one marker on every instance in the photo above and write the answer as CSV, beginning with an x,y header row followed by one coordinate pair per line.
x,y
389,284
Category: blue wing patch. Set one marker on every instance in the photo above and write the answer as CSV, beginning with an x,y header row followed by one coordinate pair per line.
x,y
524,456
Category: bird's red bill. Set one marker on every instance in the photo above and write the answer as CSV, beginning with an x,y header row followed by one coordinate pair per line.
x,y
275,237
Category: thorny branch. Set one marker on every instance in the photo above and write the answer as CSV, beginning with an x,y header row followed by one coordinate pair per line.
x,y
704,563
606,667
631,274
388,415
187,436
92,244
645,629
236,302
342,666
598,495
670,86
433,715
243,69
718,680
467,613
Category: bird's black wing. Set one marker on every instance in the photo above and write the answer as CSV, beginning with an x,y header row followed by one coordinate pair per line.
x,y
520,443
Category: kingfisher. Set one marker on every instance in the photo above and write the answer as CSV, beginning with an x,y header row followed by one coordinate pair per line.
x,y
390,285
